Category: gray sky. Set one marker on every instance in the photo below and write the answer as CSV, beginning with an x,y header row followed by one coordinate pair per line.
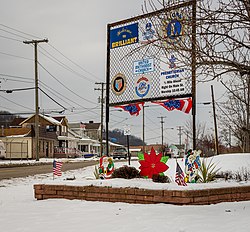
x,y
76,31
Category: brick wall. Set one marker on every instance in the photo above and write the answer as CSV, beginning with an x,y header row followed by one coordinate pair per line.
x,y
143,196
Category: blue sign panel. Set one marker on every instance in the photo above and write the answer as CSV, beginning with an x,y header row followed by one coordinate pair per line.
x,y
124,36
144,66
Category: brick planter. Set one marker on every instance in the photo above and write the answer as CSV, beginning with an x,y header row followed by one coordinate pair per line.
x,y
143,196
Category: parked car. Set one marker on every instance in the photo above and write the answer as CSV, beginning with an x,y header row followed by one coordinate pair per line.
x,y
120,152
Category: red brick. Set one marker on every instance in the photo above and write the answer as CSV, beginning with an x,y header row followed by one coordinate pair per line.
x,y
148,192
130,191
164,199
245,196
39,191
70,188
168,193
244,189
38,186
93,195
59,187
39,196
47,196
177,193
144,198
81,194
213,199
116,190
204,200
49,187
49,192
182,200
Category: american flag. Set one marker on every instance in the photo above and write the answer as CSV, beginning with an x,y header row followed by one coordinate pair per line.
x,y
133,109
184,105
57,168
179,176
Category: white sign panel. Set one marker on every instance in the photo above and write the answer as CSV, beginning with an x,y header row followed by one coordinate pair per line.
x,y
127,131
173,76
143,66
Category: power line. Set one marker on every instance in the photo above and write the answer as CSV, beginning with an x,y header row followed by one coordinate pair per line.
x,y
24,33
74,62
52,91
65,85
14,90
52,99
33,36
8,54
6,37
10,79
15,103
8,75
54,59
13,34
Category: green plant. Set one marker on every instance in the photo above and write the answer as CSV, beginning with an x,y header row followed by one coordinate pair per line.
x,y
160,178
96,173
126,172
207,171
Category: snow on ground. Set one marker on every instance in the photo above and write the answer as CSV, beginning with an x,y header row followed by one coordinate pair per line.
x,y
19,211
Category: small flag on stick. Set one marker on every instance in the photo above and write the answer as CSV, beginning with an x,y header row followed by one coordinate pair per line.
x,y
57,168
179,176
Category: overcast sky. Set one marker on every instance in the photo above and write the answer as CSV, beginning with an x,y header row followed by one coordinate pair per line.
x,y
72,61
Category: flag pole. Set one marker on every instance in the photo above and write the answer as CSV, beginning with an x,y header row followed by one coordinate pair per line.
x,y
53,169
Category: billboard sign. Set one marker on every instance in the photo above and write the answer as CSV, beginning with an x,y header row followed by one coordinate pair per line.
x,y
150,56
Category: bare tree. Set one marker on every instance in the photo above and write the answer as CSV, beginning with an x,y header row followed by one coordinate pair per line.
x,y
222,52
222,37
235,111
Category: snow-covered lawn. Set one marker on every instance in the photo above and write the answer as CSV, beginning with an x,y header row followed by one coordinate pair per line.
x,y
19,211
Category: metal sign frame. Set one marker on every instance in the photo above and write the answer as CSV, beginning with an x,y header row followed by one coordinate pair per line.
x,y
151,57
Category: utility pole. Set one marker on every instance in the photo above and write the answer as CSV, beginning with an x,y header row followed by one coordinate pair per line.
x,y
102,102
162,122
215,123
35,42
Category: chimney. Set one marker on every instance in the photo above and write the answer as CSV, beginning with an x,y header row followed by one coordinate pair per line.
x,y
91,121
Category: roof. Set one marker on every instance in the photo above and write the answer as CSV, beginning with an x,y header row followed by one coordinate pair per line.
x,y
85,126
15,131
17,121
62,119
47,118
92,126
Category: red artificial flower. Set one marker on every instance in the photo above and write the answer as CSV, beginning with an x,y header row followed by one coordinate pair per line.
x,y
152,164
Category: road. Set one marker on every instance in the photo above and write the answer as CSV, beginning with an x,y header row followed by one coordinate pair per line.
x,y
14,172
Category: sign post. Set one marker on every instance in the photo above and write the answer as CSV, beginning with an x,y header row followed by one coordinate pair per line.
x,y
127,132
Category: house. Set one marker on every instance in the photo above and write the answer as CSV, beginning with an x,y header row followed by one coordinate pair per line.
x,y
19,138
87,144
56,139
90,129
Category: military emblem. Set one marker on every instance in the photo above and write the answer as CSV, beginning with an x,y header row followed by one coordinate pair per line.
x,y
173,28
118,84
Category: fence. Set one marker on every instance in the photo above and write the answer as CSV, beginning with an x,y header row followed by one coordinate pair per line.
x,y
17,150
